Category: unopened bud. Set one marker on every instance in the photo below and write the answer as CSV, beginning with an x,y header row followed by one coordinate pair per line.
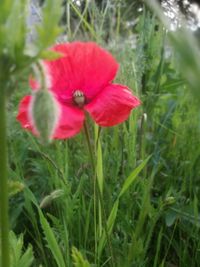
x,y
44,113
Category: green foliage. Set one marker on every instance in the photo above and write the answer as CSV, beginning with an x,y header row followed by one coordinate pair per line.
x,y
16,53
78,259
14,187
51,16
5,10
51,241
15,31
19,257
186,46
16,59
130,179
113,214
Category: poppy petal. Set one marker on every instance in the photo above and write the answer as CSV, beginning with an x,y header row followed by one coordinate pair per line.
x,y
113,105
84,66
34,84
23,114
70,122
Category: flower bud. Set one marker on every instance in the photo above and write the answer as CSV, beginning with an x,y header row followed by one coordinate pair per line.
x,y
44,112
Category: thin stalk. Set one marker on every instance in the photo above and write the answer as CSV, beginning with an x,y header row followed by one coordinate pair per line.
x,y
96,188
87,135
4,222
86,131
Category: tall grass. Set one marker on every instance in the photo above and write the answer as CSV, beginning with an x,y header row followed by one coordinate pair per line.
x,y
146,212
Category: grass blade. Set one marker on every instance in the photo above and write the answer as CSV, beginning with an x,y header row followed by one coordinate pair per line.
x,y
51,241
131,178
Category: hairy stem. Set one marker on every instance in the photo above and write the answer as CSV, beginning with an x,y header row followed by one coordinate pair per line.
x,y
87,135
4,223
97,189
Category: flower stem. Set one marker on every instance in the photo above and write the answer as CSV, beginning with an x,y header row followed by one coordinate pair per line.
x,y
97,189
4,222
87,135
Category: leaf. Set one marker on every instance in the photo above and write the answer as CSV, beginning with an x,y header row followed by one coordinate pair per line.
x,y
85,22
18,257
113,214
49,29
170,218
6,6
131,178
51,240
48,232
14,187
15,29
186,46
110,224
50,55
78,259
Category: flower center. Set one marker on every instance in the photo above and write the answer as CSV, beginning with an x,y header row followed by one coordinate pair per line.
x,y
79,98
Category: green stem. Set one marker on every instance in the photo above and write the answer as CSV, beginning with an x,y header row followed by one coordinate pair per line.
x,y
96,188
4,223
87,135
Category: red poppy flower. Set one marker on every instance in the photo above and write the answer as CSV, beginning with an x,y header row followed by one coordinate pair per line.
x,y
81,81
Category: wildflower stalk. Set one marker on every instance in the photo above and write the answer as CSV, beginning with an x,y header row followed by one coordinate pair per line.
x,y
87,135
4,222
98,191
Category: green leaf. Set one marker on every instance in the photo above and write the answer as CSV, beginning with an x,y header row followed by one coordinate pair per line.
x,y
15,29
6,6
113,214
85,22
78,259
19,257
50,55
110,224
131,178
49,29
14,187
170,217
186,46
51,240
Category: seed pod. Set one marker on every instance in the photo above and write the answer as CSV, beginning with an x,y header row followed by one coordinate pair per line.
x,y
44,114
79,98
